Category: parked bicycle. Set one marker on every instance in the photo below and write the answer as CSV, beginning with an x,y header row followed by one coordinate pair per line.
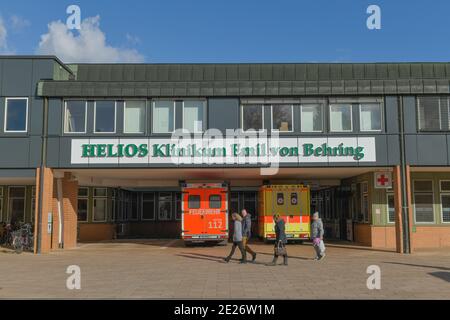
x,y
20,239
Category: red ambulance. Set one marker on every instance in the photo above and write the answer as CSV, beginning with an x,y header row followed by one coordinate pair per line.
x,y
204,212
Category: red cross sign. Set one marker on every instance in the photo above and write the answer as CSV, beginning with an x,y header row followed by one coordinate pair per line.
x,y
383,180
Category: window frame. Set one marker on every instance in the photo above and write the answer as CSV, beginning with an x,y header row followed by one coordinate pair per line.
x,y
203,113
168,201
8,217
439,97
443,193
83,198
380,106
154,206
125,115
389,194
263,129
6,115
189,201
330,118
211,201
115,118
153,116
423,193
105,198
321,105
65,117
272,122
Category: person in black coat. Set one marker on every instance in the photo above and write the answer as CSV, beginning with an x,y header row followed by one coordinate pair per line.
x,y
280,241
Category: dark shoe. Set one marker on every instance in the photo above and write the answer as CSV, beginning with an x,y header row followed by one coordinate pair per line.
x,y
254,257
243,261
227,259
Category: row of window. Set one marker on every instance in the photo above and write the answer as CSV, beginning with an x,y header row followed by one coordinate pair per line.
x,y
128,206
312,117
134,116
433,114
424,202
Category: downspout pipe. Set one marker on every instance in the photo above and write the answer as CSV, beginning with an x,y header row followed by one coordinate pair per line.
x,y
403,173
39,229
60,212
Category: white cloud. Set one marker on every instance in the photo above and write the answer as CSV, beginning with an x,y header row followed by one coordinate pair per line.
x,y
87,45
18,23
3,37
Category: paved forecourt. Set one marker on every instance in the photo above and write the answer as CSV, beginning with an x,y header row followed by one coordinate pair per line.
x,y
167,269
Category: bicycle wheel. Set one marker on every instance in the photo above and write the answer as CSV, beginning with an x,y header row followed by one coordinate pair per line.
x,y
17,244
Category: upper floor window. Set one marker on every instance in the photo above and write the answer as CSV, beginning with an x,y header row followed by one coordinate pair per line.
x,y
370,117
252,117
193,115
105,116
134,116
341,117
163,116
311,118
433,113
282,117
75,116
16,115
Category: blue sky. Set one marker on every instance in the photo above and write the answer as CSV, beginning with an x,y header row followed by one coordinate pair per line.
x,y
231,30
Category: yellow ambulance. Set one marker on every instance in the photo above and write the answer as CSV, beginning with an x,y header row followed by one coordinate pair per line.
x,y
292,203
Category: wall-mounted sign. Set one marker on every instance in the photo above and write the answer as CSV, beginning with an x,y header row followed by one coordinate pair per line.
x,y
383,180
223,151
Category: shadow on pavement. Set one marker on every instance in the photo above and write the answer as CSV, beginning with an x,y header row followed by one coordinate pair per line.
x,y
441,275
418,265
220,258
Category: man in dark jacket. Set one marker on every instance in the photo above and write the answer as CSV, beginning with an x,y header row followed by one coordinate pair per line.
x,y
247,232
280,240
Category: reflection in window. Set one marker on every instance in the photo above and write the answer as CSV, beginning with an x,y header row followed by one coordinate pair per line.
x,y
100,204
445,198
134,116
163,116
370,117
83,193
423,201
311,118
433,113
194,202
165,206
105,116
252,117
215,201
16,207
340,117
193,115
75,117
16,113
282,117
391,208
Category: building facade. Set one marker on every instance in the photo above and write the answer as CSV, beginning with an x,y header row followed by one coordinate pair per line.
x,y
93,152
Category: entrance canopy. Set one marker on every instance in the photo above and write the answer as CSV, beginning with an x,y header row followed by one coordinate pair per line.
x,y
319,177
